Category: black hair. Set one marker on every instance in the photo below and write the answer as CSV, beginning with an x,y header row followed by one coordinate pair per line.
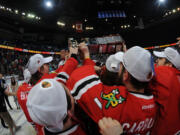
x,y
109,78
13,81
168,62
69,106
119,80
35,77
137,84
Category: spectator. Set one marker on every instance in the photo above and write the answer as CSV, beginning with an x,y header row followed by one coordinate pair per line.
x,y
4,114
2,81
14,87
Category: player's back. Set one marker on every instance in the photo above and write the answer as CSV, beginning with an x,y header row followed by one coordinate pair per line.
x,y
136,112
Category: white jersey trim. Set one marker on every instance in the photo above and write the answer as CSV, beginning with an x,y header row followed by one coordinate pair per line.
x,y
69,131
60,79
64,73
81,81
82,91
142,96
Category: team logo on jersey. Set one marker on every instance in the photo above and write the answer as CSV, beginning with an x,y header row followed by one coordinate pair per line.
x,y
111,98
46,84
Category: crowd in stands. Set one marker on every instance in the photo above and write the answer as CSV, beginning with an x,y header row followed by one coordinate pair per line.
x,y
127,92
14,62
32,46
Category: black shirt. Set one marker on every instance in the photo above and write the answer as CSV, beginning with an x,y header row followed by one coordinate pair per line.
x,y
2,101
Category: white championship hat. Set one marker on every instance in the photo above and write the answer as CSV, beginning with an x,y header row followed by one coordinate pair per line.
x,y
37,61
47,104
138,62
113,62
27,75
171,54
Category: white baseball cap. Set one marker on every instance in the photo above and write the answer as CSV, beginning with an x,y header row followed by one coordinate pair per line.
x,y
171,54
113,62
27,75
138,62
37,61
47,104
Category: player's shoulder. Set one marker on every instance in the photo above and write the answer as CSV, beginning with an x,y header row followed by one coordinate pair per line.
x,y
164,70
115,90
83,71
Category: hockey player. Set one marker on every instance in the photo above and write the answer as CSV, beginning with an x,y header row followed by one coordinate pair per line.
x,y
133,105
166,86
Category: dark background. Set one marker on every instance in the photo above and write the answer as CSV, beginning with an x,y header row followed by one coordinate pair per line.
x,y
157,29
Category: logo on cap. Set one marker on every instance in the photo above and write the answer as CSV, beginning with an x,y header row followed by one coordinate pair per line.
x,y
38,61
46,84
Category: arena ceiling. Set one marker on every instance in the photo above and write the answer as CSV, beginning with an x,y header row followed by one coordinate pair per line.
x,y
72,11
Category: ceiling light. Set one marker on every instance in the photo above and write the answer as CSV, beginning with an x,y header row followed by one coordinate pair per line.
x,y
30,15
60,23
174,10
89,28
161,1
23,13
16,11
49,4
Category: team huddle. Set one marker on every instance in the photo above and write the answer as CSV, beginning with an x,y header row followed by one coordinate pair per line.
x,y
130,90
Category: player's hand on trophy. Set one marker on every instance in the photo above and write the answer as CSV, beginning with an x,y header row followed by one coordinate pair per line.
x,y
73,50
84,50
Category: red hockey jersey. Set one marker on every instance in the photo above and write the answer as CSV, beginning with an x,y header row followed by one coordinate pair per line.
x,y
22,94
167,95
62,76
136,112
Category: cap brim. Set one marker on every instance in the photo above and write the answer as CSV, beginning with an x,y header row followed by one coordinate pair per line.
x,y
159,54
119,56
112,64
47,60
